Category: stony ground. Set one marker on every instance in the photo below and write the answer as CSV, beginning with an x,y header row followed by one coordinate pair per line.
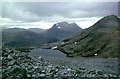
x,y
19,65
105,64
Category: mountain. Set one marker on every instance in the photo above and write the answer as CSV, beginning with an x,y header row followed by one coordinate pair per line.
x,y
9,33
36,30
99,40
21,38
13,30
62,30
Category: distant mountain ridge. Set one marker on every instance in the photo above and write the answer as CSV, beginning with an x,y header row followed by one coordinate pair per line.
x,y
25,38
17,37
9,33
99,40
36,30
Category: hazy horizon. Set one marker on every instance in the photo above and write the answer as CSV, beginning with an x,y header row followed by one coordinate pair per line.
x,y
51,25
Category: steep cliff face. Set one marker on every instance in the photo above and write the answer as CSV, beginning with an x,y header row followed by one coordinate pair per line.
x,y
99,40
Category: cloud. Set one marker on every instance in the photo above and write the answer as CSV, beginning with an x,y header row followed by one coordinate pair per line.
x,y
12,11
82,22
39,11
9,23
45,14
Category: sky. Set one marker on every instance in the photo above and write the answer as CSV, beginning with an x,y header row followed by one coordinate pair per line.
x,y
45,14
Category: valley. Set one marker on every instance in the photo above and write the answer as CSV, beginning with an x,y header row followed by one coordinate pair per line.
x,y
65,50
60,39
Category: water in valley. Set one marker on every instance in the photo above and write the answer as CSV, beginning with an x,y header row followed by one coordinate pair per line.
x,y
47,53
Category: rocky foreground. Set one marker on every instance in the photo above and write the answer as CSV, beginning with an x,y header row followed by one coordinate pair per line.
x,y
19,65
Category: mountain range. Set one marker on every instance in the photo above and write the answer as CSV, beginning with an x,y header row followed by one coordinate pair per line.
x,y
99,40
20,37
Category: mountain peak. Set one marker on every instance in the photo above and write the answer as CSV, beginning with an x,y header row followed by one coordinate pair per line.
x,y
111,17
66,26
99,40
110,21
73,23
63,22
63,30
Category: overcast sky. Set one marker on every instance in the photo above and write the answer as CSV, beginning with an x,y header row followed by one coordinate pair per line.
x,y
45,14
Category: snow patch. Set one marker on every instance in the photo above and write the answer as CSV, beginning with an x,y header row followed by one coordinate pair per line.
x,y
75,43
59,27
95,54
54,47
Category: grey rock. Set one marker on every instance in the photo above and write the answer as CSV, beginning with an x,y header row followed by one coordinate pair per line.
x,y
10,57
25,66
11,62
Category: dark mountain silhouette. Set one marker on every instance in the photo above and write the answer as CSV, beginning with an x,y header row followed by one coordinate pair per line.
x,y
99,40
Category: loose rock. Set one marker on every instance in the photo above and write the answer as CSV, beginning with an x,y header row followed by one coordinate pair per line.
x,y
19,65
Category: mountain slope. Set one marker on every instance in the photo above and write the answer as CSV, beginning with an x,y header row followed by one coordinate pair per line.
x,y
17,37
100,40
25,38
62,30
9,33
